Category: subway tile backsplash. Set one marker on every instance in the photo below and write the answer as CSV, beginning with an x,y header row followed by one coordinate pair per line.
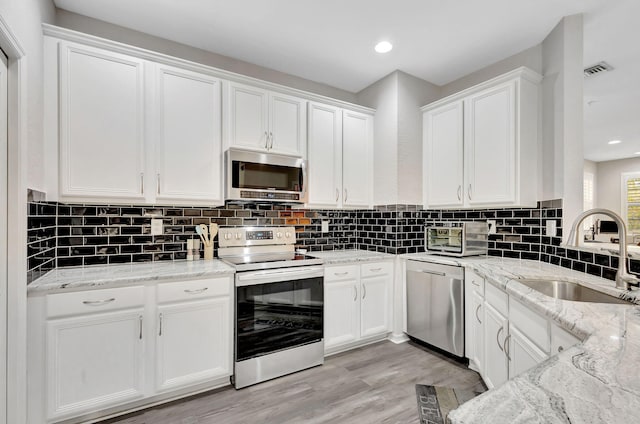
x,y
62,235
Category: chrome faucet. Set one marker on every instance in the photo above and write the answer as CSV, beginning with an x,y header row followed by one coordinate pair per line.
x,y
623,278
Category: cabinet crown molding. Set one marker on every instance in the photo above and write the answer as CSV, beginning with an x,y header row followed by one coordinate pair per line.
x,y
522,72
116,46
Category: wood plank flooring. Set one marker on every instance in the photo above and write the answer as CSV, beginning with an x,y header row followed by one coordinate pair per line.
x,y
372,384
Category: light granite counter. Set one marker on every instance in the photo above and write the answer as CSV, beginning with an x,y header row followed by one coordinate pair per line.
x,y
102,276
350,256
596,381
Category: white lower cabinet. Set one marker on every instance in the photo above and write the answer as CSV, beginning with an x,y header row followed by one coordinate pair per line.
x,y
505,338
193,337
94,362
92,352
357,304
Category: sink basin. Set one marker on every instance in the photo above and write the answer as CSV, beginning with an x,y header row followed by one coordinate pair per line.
x,y
567,290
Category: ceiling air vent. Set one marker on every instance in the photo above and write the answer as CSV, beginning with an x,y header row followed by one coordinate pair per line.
x,y
596,69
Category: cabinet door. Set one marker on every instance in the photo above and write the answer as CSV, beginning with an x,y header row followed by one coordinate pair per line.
x,y
374,308
187,121
324,152
495,361
101,124
287,124
522,353
490,146
475,326
341,312
94,362
193,342
357,140
247,117
443,156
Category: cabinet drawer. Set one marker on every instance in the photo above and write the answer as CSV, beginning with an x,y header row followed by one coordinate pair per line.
x,y
376,268
497,298
89,301
337,273
475,282
193,290
532,325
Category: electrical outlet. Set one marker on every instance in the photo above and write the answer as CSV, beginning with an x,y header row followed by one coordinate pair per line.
x,y
550,228
325,226
156,227
491,223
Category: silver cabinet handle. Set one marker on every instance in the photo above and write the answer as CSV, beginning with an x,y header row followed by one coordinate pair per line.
x,y
506,347
341,273
426,271
364,291
469,192
460,192
345,194
375,269
337,194
477,310
158,182
355,293
160,330
98,302
498,338
474,283
271,137
266,140
140,321
142,183
196,291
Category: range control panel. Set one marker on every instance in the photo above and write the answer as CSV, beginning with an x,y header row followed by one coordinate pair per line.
x,y
256,236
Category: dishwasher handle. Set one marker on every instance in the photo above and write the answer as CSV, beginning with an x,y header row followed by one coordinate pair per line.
x,y
426,271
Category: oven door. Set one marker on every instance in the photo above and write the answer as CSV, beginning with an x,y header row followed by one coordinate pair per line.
x,y
277,310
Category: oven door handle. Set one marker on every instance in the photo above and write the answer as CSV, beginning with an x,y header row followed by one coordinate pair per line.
x,y
273,276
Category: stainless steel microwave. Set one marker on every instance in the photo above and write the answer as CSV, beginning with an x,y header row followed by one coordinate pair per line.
x,y
265,177
457,238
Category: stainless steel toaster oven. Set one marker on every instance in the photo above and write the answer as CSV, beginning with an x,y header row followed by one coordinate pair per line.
x,y
457,238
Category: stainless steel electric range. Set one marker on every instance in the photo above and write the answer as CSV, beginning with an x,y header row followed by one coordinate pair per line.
x,y
279,303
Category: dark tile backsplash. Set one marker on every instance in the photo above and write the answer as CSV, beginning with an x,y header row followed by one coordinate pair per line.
x,y
78,235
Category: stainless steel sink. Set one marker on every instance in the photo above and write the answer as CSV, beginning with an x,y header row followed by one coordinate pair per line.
x,y
566,290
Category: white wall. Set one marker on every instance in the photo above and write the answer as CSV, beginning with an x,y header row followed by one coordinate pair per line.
x,y
608,183
107,30
25,17
383,96
413,93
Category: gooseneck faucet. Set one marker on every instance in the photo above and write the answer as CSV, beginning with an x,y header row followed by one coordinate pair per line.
x,y
623,278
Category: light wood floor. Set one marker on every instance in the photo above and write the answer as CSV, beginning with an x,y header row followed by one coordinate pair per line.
x,y
370,385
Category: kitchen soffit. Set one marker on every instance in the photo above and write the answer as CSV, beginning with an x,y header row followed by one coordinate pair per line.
x,y
331,41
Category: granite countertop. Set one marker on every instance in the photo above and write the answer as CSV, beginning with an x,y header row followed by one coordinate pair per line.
x,y
92,277
594,381
334,257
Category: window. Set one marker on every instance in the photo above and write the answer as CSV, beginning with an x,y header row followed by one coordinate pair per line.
x,y
631,201
588,199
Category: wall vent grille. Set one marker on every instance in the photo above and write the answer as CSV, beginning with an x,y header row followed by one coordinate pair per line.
x,y
596,69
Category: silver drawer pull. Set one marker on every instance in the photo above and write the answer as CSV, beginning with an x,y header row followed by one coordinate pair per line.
x,y
474,283
424,271
498,338
341,273
98,302
376,269
197,291
477,310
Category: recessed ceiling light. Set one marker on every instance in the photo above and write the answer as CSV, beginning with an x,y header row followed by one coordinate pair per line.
x,y
383,47
615,142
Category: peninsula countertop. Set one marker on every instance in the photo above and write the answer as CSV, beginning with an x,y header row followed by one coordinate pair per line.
x,y
594,381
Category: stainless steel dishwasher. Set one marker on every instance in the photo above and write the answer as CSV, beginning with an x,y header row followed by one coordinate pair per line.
x,y
435,308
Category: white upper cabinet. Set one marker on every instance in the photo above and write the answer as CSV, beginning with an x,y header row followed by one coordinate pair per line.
x,y
262,120
101,115
340,157
357,145
444,154
188,140
481,145
324,152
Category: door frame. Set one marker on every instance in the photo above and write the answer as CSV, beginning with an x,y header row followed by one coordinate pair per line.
x,y
15,311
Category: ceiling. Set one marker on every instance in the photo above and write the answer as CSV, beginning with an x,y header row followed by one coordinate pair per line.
x,y
331,42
